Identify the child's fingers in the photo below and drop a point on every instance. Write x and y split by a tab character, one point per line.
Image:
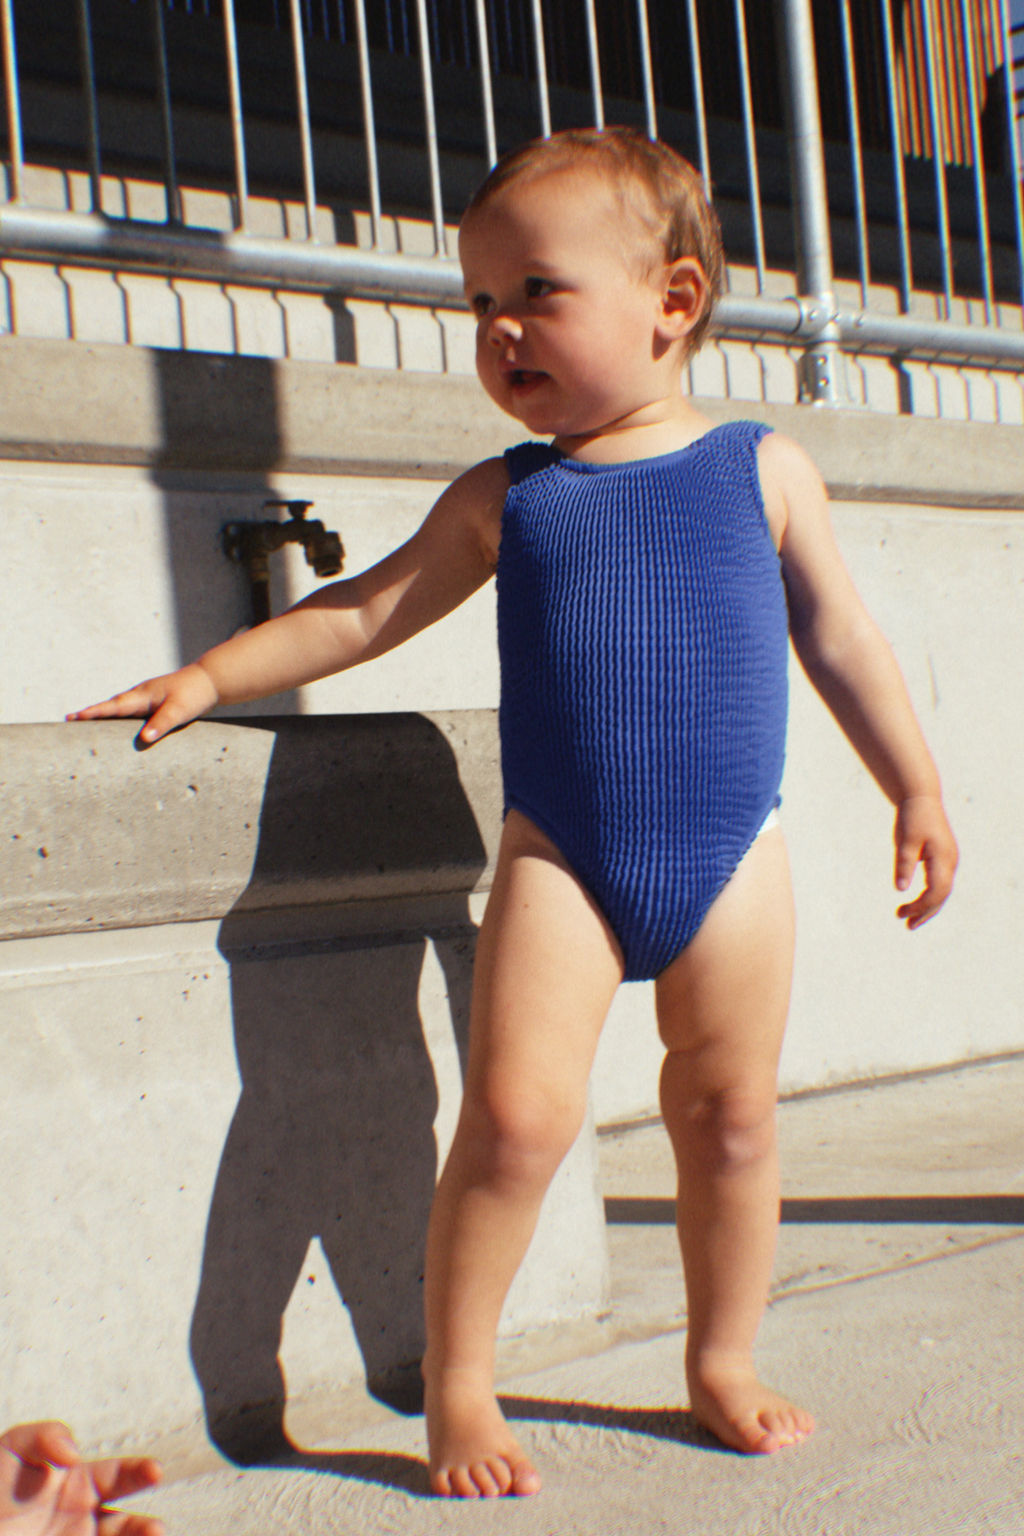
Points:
939	869
167	718
135	702
908	855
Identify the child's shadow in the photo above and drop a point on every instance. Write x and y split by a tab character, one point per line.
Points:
332	1136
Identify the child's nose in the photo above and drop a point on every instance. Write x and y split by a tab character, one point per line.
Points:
502	328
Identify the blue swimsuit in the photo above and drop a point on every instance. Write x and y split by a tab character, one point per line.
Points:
643	634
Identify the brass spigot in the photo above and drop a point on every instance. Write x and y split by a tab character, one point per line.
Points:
252	544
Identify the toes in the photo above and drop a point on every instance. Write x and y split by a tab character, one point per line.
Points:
789	1425
441	1483
525	1480
461	1484
491	1479
775	1428
755	1436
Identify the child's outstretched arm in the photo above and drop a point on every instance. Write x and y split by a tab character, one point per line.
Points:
852	666
446	560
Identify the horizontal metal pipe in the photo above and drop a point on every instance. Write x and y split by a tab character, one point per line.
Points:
899	336
241	258
135	245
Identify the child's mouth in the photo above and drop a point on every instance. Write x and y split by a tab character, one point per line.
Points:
524	378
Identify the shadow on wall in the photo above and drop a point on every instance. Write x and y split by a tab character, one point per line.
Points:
219	417
332	1136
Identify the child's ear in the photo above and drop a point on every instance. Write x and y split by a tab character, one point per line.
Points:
685	296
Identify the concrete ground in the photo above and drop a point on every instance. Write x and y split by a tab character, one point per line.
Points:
897	1315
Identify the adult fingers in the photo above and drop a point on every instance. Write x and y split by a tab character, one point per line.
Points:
47	1442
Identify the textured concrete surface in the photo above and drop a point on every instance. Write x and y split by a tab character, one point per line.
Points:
225	818
95	403
896	1316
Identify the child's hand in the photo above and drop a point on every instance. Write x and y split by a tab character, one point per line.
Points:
165	702
47	1490
923	836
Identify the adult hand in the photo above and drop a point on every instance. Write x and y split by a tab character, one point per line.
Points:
46	1489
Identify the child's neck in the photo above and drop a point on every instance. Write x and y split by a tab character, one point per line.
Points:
660	428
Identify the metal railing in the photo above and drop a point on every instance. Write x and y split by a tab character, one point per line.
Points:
941	80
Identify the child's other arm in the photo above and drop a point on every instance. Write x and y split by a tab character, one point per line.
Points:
446	560
853	668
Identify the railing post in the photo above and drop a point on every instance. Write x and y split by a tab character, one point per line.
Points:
821	371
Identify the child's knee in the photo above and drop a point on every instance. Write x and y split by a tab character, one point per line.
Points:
521	1132
723	1130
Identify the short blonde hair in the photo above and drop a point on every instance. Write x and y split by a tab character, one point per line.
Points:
661	187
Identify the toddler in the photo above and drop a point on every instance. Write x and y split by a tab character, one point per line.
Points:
651	568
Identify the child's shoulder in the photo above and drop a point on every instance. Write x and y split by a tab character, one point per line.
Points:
785	467
790	483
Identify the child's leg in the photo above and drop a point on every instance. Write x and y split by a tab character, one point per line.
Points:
721	1011
547	967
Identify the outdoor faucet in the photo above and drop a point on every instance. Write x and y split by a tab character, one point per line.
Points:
252	544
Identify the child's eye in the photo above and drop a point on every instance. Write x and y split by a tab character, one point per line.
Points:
481	304
537	288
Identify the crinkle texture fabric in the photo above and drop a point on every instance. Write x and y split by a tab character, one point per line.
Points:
643	636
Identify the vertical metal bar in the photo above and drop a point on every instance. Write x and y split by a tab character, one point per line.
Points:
14	140
978	155
540	58
697	75
753	179
820	364
92	115
594	56
856	157
484	52
440	239
899	177
163	85
369	124
1012	137
237	126
938	157
648	73
305	136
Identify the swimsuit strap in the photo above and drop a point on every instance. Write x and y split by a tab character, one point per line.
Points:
527	458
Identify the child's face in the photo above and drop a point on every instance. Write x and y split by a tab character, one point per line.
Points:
567	335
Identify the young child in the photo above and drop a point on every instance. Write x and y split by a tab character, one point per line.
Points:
645	564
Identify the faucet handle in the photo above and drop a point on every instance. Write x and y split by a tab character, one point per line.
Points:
298	509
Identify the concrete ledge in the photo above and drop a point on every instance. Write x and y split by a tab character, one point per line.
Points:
65	401
224	817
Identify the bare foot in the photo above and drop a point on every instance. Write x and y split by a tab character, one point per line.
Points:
473	1453
745	1415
